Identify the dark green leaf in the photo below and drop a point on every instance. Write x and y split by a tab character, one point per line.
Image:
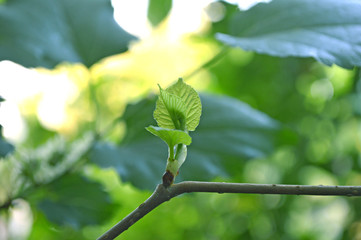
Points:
5	147
75	201
327	30
47	32
158	10
229	131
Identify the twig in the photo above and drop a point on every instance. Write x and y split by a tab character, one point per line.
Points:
162	194
210	62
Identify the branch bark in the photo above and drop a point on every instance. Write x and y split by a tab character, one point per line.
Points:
162	194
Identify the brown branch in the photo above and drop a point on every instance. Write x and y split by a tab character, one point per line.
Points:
162	194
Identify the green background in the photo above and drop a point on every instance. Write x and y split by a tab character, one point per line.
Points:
265	119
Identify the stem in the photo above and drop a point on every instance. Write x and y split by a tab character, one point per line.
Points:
178	151
210	62
162	194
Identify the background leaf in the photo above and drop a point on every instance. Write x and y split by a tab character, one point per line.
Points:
158	10
229	132
5	147
47	32
327	30
75	201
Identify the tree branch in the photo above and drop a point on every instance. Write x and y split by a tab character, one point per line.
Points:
162	194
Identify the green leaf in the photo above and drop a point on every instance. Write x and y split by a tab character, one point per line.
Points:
327	30
47	32
158	10
229	132
171	136
170	111
5	147
191	100
76	201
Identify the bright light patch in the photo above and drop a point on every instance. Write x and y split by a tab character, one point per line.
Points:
215	11
21	220
12	121
322	89
17	82
58	92
132	16
187	16
22	88
246	4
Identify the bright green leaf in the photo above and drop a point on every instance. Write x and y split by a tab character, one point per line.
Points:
47	32
170	111
158	10
191	100
171	136
327	30
75	201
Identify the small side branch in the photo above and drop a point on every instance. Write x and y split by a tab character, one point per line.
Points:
162	194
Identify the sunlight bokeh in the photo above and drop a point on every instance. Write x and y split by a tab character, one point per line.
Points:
164	54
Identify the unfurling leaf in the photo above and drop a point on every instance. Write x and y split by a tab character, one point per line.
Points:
178	110
191	100
170	136
178	107
170	111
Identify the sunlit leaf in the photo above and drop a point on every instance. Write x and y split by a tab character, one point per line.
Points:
47	32
170	111
229	132
327	30
158	10
191	101
171	136
76	201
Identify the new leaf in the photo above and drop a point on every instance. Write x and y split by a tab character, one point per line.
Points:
170	111
191	100
178	107
170	136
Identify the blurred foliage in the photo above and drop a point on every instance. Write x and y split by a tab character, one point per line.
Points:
288	120
79	31
296	28
5	147
158	10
